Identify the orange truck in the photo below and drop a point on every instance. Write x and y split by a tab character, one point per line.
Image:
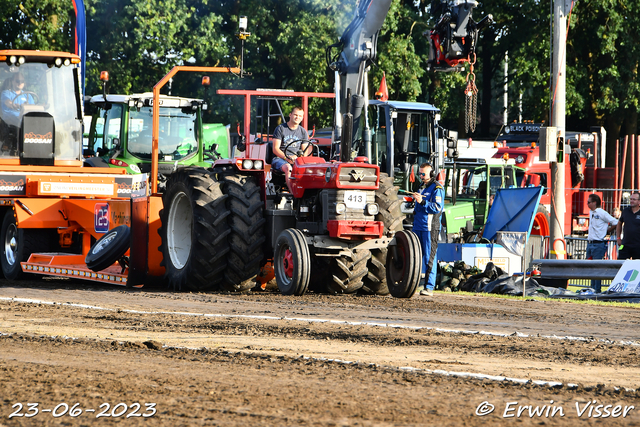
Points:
58	217
52	208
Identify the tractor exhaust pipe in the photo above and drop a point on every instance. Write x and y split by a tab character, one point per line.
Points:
347	132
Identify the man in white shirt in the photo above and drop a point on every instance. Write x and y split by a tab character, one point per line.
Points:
600	224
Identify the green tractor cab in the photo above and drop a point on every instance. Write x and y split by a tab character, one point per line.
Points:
120	135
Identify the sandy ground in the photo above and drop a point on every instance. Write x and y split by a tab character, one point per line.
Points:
90	355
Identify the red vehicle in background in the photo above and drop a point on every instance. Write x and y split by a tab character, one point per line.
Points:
584	170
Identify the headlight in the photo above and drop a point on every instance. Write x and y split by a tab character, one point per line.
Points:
134	168
258	164
13	59
341	208
247	164
372	209
67	62
58	62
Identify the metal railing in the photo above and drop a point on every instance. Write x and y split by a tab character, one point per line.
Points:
577	249
538	248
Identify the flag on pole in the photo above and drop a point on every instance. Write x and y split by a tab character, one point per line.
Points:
383	92
81	37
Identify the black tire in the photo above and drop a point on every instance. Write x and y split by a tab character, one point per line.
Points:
246	222
292	262
194	231
404	265
347	272
17	245
389	205
320	273
109	248
375	282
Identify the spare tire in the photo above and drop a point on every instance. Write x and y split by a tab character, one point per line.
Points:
109	248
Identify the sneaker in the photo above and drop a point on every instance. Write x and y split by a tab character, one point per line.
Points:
426	292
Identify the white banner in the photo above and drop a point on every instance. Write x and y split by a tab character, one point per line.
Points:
628	278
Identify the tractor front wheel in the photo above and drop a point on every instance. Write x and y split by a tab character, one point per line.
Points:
17	245
292	263
404	265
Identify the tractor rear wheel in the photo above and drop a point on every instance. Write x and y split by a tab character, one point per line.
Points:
194	231
389	204
17	245
292	262
375	282
404	265
246	222
347	272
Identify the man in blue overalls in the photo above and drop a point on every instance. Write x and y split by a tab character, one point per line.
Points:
429	204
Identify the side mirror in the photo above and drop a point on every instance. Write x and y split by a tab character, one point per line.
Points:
116	143
452	143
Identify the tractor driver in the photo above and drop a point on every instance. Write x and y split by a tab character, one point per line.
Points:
284	137
12	97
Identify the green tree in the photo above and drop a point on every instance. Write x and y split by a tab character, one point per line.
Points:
37	24
139	41
605	49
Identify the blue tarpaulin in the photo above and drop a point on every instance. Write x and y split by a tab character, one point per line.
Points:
513	209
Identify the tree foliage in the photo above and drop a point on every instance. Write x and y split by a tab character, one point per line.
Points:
139	41
36	24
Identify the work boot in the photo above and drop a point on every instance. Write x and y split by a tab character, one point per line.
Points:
426	292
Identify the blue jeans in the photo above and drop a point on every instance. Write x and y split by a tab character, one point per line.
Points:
596	251
277	163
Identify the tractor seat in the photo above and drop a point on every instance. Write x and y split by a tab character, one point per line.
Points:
269	157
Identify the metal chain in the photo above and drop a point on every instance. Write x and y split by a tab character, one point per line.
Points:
471	99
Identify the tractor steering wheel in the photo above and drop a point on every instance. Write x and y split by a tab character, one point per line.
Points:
301	141
25	95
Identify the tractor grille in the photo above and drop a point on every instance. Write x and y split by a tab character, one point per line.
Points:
358	176
351	214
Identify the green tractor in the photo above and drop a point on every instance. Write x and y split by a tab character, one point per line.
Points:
120	135
470	188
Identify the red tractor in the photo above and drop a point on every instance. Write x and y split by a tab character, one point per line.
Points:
339	230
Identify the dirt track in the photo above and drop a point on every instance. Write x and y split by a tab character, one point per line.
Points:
268	360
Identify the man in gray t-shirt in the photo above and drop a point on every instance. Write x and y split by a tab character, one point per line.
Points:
285	134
